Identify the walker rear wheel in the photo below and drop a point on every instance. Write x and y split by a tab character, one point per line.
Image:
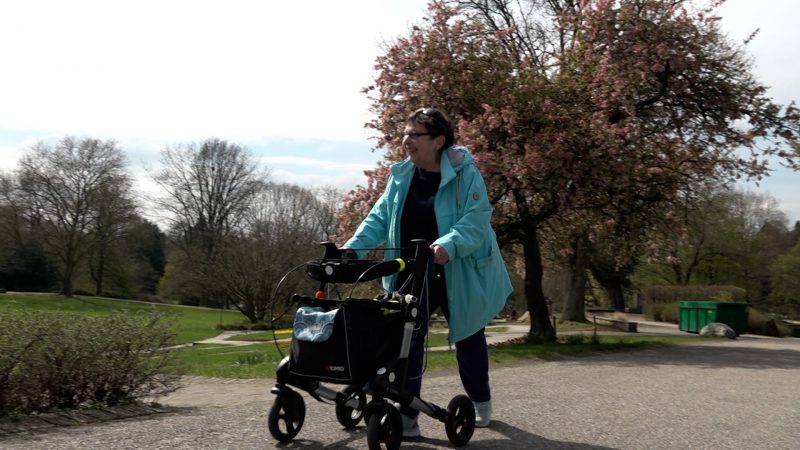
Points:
460	422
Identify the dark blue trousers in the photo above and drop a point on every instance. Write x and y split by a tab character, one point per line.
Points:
472	353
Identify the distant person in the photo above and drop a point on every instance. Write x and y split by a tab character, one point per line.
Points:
512	316
437	194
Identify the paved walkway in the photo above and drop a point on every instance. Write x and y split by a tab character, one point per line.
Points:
594	401
224	338
715	394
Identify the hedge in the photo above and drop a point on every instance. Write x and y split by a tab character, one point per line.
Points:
667	294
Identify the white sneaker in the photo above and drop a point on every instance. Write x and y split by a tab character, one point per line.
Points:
410	427
483	413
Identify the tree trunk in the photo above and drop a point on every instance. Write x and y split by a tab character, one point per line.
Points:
534	295
66	281
68	271
574	307
247	311
101	269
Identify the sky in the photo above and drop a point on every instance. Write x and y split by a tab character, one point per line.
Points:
283	79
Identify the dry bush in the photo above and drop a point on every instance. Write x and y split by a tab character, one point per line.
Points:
63	360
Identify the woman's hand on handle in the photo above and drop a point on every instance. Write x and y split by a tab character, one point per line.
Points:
440	255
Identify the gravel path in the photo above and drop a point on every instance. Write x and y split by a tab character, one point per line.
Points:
718	394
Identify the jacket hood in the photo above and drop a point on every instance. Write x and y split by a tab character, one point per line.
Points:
458	156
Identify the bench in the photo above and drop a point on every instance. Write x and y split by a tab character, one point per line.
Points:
620	324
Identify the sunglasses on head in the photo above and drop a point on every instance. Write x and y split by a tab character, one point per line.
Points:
430	112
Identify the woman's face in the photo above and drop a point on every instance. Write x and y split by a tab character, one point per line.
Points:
421	147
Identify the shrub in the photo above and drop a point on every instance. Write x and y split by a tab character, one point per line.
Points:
252	359
534	339
574	339
61	360
663	312
770	328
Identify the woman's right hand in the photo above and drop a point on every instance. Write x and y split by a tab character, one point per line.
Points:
347	253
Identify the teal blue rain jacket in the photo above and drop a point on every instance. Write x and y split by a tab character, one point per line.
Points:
477	280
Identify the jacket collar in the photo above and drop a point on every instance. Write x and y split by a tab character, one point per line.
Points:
454	159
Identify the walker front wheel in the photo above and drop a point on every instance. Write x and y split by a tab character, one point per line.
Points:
286	415
385	428
460	422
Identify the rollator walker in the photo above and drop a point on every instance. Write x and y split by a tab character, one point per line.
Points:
362	344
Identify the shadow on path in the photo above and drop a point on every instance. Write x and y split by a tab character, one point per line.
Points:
514	438
703	356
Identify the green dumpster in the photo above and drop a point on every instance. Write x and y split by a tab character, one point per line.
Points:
695	315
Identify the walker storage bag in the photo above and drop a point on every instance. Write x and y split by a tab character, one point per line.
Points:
345	345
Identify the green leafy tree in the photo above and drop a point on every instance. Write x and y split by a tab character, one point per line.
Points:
145	245
785	293
726	237
113	211
24	264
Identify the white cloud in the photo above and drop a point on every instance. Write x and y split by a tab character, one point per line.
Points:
313	163
776	57
9	157
776	62
342	180
313	172
189	69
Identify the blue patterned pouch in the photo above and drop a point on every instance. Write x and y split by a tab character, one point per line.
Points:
313	324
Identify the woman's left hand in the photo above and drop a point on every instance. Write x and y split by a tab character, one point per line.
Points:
440	255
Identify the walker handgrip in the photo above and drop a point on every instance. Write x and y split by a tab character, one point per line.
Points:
384	268
351	271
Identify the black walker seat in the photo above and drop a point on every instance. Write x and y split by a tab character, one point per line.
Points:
363	344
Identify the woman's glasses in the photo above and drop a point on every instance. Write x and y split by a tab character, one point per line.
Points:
415	134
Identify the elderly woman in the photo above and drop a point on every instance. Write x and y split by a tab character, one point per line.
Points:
437	194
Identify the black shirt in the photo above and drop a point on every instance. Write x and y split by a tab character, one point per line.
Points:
418	220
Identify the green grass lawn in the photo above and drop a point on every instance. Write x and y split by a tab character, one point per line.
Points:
226	361
192	323
260	359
